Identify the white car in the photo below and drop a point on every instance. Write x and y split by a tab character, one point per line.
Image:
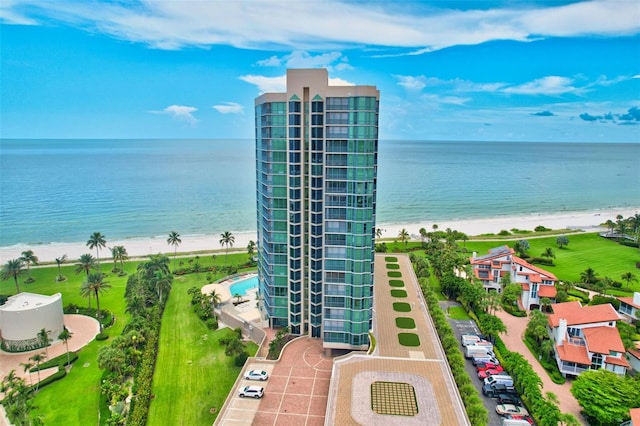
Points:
251	392
256	375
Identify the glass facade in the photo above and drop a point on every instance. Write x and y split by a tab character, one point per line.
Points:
316	166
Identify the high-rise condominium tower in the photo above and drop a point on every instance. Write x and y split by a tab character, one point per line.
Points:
316	166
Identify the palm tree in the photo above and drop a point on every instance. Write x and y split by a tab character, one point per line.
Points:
163	283
44	339
603	284
26	366
610	224
379	232
120	255
548	253
12	269
588	276
59	261
251	248
174	240
227	239
95	283
65	335
37	358
629	277
28	258
86	263
214	297
404	236
97	241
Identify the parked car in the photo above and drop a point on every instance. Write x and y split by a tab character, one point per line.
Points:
256	375
487	358
251	392
473	351
510	409
481	365
501	378
517	420
492	391
469	339
504	398
483	374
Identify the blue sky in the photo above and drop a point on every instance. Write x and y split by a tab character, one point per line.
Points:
447	70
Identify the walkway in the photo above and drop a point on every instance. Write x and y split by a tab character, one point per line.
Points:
513	341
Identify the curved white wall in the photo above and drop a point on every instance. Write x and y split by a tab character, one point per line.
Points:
25	314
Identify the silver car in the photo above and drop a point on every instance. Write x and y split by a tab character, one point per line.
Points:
251	392
256	375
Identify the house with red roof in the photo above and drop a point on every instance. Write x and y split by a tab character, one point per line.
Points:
630	306
586	338
536	283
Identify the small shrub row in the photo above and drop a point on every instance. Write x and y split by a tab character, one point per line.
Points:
541	261
59	361
53	378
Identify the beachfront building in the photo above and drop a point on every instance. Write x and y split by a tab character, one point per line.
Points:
316	161
586	337
630	307
491	269
24	315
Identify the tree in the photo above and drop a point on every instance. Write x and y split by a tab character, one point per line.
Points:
59	261
379	232
545	303
13	269
95	284
29	258
37	358
44	339
602	285
605	397
174	240
251	249
611	225
65	335
238	298
510	295
548	253
162	283
97	241
26	366
547	347
17	399
562	241
86	263
214	297
588	276
227	239
537	326
629	277
403	235
120	255
521	247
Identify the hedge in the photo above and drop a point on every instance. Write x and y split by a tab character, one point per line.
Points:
59	361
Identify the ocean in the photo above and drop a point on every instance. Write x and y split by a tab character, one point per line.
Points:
64	190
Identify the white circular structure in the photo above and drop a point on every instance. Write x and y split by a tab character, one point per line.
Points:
24	315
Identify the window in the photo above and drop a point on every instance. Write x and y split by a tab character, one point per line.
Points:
596	361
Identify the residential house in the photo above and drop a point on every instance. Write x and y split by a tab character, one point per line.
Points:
586	338
536	283
633	356
630	306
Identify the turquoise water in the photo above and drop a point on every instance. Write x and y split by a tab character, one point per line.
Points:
242	286
64	190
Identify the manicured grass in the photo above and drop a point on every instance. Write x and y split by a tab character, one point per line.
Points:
396	283
457	313
192	372
401	307
605	257
398	293
393	266
75	398
405	322
394	274
408	339
390	259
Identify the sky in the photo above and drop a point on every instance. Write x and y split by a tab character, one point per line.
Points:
557	71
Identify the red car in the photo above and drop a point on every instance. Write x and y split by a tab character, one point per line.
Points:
519	417
481	366
483	374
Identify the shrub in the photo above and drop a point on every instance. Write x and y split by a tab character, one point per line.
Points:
396	283
394	274
102	336
541	228
59	361
405	322
212	324
408	339
542	261
393	266
398	293
603	300
504	233
240	359
53	378
401	307
390	259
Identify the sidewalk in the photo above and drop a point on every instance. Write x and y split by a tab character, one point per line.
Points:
513	342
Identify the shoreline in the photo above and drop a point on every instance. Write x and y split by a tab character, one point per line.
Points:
139	247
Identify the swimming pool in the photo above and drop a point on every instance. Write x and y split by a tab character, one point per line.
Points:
242	286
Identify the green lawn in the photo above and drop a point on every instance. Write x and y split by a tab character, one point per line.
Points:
405	322
75	399
409	339
401	307
398	293
584	251
192	372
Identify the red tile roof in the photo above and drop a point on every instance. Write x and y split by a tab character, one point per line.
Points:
540	271
574	353
547	291
634	353
635	416
629	301
617	361
576	314
603	340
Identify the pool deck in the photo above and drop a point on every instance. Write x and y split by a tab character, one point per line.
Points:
223	288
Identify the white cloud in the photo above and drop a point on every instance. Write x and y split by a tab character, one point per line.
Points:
229	108
410	82
303	59
10	14
419	82
180	113
550	85
340	82
273	61
267	84
272	24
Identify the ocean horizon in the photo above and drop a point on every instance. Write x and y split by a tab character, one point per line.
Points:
62	190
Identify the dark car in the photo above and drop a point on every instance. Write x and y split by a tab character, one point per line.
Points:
492	391
505	398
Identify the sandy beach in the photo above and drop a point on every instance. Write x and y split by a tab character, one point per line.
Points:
138	247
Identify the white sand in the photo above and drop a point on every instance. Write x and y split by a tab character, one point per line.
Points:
136	247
